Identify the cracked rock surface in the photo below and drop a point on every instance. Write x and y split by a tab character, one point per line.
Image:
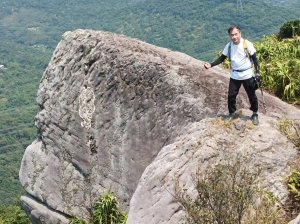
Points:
122	115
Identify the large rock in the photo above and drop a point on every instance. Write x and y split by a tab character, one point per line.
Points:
203	145
109	105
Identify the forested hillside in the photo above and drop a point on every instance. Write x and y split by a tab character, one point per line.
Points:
193	26
30	30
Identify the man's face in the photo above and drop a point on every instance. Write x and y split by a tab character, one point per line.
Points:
235	36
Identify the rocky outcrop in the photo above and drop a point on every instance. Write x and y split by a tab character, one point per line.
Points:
114	110
205	144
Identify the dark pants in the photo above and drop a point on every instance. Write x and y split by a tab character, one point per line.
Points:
234	87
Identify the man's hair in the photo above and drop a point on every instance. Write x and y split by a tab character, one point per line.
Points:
233	27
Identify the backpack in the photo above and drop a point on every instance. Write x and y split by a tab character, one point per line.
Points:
245	49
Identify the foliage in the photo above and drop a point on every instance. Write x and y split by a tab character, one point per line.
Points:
225	194
266	212
76	220
18	87
13	214
280	66
294	184
291	129
289	29
105	211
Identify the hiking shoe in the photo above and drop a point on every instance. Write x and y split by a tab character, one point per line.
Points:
231	117
254	119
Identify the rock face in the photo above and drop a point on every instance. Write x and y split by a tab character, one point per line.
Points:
204	144
122	115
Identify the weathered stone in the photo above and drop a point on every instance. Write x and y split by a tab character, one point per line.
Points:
296	220
109	104
206	143
40	214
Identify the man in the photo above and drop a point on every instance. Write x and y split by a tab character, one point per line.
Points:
241	61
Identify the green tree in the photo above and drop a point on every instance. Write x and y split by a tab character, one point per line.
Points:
289	29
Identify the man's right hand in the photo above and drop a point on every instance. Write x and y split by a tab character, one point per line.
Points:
207	65
258	78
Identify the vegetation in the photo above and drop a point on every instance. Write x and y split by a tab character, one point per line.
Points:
106	211
291	129
227	194
193	27
13	214
289	29
294	185
18	88
76	220
293	182
280	66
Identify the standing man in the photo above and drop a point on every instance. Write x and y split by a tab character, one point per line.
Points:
241	54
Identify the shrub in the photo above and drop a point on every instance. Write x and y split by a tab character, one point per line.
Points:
291	129
280	66
294	185
75	220
290	29
226	194
266	212
105	211
292	205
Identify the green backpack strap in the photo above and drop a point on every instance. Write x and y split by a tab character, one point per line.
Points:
246	48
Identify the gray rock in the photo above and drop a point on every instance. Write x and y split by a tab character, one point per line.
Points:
109	104
296	220
206	143
40	214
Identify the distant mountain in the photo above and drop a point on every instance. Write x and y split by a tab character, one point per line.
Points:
283	3
195	27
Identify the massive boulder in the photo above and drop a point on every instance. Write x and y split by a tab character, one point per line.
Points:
120	115
205	144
